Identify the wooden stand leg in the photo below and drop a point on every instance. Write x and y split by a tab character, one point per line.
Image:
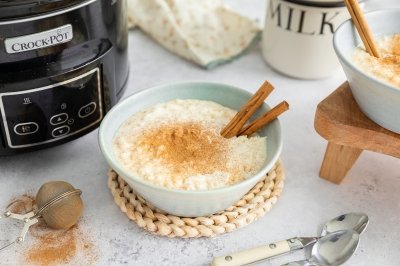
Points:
338	160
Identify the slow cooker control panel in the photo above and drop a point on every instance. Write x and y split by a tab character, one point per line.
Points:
47	114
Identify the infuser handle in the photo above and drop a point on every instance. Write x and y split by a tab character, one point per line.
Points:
29	219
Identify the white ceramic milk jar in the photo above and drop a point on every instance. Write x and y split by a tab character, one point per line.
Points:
297	38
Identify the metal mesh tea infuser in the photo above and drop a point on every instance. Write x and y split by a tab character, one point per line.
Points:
59	205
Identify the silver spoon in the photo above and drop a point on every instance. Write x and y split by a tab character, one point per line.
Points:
331	250
354	221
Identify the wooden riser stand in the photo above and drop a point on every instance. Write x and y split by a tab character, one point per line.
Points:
348	131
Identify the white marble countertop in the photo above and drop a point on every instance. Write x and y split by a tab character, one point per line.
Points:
372	186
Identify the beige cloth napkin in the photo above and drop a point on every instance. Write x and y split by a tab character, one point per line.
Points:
203	31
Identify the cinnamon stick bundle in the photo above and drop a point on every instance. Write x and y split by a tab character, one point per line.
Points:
235	125
265	119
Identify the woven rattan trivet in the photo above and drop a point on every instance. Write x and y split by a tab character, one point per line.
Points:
258	201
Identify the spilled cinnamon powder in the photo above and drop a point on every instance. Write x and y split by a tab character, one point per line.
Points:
22	204
49	246
188	148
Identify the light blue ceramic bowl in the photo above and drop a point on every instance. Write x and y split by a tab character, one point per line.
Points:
180	202
378	100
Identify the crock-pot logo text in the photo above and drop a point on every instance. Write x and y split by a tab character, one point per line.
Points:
49	41
39	40
302	19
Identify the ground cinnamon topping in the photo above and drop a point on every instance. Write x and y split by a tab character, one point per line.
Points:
395	45
387	67
178	145
189	148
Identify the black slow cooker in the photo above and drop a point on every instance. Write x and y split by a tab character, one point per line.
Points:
63	65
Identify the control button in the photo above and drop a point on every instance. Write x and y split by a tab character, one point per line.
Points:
26	128
27	101
58	119
60	131
87	110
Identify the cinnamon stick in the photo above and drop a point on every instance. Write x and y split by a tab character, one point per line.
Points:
265	119
248	109
362	27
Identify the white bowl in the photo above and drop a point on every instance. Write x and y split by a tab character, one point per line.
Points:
183	202
377	99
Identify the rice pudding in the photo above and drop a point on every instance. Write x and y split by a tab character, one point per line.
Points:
387	67
178	145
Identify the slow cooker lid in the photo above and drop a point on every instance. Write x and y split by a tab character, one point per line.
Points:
16	9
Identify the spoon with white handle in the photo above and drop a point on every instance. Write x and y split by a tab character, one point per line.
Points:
334	249
354	221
